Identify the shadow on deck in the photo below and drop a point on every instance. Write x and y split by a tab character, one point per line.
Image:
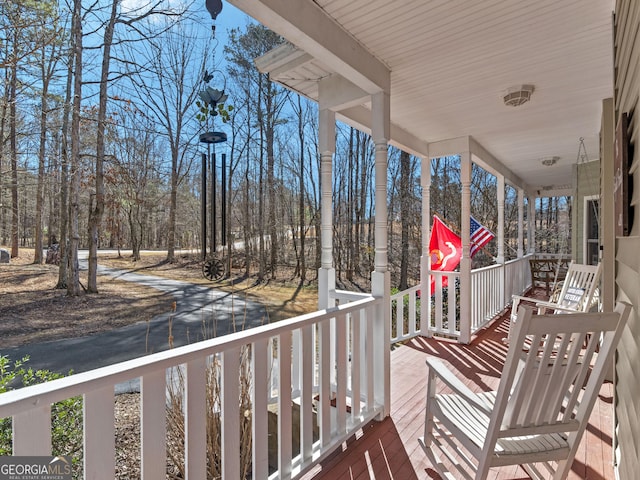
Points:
390	450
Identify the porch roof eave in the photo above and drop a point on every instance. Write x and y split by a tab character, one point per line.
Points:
281	64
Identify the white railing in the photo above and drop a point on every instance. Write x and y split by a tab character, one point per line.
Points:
443	314
487	295
517	277
405	314
328	363
491	291
404	310
345	296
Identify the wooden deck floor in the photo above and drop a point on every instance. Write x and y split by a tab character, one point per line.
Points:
390	450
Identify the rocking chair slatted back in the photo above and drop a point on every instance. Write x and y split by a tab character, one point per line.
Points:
553	371
579	286
579	293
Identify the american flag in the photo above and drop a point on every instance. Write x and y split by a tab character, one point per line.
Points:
480	236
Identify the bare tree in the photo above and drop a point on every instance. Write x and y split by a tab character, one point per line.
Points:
51	42
65	160
136	151
405	208
168	70
95	214
73	273
301	260
269	102
3	140
24	32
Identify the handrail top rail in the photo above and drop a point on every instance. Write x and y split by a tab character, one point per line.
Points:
488	267
26	398
442	273
518	259
348	295
401	293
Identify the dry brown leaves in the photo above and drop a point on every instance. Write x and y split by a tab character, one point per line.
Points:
33	310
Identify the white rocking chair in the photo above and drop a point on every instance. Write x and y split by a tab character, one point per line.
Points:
551	377
579	293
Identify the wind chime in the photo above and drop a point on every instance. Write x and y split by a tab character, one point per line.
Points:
213	266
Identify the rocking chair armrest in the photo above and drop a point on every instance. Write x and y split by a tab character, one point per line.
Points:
439	369
516	299
555	306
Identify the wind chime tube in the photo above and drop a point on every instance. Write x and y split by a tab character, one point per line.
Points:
213	204
223	181
203	207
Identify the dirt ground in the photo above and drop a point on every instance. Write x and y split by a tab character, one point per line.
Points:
33	310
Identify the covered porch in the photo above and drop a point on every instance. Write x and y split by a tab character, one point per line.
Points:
389	449
431	78
373	83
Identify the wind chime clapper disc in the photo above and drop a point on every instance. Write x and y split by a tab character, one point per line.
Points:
213	137
212	269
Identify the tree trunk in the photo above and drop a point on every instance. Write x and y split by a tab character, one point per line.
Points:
262	260
95	217
3	125
173	205
301	210
136	231
64	177
73	280
363	198
247	217
13	152
351	208
37	259
271	188
405	174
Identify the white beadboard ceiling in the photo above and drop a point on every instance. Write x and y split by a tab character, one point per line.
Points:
451	62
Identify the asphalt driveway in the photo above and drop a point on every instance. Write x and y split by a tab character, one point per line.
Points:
201	312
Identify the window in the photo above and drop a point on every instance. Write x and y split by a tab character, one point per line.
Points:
591	251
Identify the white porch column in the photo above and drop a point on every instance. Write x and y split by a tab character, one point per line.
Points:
520	222
531	225
500	232
425	259
607	206
380	279
327	145
465	261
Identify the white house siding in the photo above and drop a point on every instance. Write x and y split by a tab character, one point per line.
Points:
627	88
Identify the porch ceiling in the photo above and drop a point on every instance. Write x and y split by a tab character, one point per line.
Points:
450	64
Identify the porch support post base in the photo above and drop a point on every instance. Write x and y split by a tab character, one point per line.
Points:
326	287
380	288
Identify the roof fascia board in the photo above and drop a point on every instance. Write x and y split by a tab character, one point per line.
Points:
556	191
305	25
360	117
281	60
450	146
480	156
337	93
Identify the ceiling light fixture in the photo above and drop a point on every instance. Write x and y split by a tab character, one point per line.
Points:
518	95
548	161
